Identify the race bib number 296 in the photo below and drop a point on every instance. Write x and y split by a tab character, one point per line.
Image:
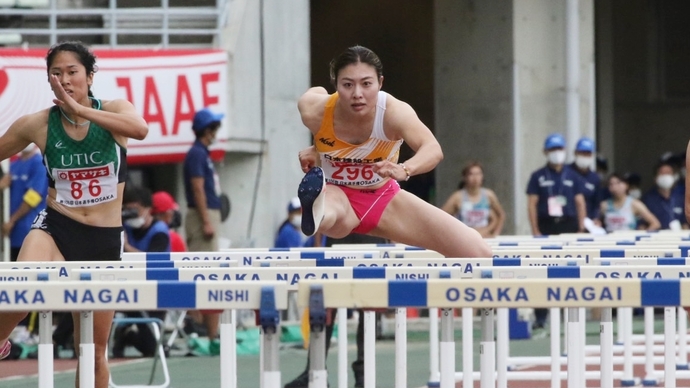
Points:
351	174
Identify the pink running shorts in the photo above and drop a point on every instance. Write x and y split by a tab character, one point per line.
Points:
369	204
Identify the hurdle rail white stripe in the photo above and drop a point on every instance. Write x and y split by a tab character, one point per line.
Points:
73	295
247	257
238	275
487	293
467	265
87	296
291	276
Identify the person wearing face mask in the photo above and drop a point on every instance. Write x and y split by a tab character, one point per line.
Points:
202	192
584	160
555	203
666	205
143	233
290	233
202	186
164	208
28	184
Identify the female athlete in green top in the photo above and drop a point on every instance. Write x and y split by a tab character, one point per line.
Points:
83	142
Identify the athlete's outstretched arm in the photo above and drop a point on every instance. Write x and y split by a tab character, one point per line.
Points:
405	123
19	134
119	116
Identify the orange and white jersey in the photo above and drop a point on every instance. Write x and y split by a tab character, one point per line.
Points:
351	164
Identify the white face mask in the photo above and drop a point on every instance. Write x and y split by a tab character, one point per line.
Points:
296	221
665	181
556	157
635	193
135	223
583	162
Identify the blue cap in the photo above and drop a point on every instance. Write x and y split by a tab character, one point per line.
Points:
585	144
204	118
555	140
294	204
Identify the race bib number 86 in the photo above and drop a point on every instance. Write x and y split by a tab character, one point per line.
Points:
85	186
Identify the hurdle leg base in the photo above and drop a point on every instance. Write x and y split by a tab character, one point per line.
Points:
433	384
628	383
682	366
649	383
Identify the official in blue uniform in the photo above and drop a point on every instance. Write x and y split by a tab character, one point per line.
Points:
28	185
290	232
666	205
555	202
591	183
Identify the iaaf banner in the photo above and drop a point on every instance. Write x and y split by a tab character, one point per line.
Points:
166	87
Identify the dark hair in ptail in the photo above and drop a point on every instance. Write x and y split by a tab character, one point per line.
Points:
86	57
352	55
466	170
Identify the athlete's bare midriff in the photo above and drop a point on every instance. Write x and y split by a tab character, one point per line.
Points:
107	214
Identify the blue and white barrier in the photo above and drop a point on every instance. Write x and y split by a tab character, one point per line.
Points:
501	293
88	296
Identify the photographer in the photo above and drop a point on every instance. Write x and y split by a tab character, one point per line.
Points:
143	233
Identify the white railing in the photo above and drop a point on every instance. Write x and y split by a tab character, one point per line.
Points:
163	22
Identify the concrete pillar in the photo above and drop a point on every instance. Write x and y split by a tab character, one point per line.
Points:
500	90
473	94
268	71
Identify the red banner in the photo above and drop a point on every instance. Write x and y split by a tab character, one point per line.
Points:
166	87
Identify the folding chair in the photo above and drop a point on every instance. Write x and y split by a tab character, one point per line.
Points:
157	329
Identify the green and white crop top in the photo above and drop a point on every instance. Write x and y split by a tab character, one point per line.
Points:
83	172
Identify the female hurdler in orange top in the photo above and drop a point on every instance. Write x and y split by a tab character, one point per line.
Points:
352	169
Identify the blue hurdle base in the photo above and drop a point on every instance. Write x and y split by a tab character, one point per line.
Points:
518	329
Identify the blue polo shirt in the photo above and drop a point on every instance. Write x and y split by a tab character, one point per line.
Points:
289	236
547	182
154	239
679	188
591	190
26	174
197	163
665	209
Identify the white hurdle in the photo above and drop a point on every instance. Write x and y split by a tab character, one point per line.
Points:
88	296
484	293
606	337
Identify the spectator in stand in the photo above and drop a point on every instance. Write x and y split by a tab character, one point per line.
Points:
621	211
144	233
166	209
666	205
290	233
475	205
